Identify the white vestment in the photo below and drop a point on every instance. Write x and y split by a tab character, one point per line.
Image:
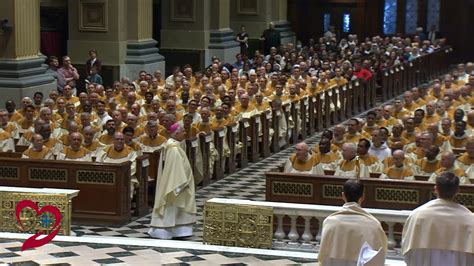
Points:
439	233
344	233
174	211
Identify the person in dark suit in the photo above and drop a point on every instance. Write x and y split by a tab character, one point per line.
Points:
271	38
433	34
93	61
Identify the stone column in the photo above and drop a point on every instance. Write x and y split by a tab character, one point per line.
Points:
142	53
22	68
222	39
279	18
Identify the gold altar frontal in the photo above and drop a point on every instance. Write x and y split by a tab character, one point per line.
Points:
31	220
238	225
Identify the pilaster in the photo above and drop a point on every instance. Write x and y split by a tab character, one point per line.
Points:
22	70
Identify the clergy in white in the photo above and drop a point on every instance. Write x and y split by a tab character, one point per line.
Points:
440	232
174	211
345	231
302	161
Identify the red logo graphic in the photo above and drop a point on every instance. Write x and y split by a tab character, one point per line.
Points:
34	241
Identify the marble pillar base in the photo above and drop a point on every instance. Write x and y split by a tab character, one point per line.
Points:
20	78
142	56
223	45
287	35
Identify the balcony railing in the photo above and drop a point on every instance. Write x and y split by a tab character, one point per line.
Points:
286	236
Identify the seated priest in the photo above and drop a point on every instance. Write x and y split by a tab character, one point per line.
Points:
447	163
327	158
466	160
151	141
118	152
344	232
350	165
90	143
38	150
430	163
440	232
398	170
372	162
75	151
302	161
379	148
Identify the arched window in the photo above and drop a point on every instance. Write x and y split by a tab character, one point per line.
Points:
326	22
411	16
390	17
346	22
434	8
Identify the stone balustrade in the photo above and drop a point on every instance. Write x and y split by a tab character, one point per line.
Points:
300	234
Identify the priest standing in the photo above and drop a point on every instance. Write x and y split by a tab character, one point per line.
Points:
345	231
174	212
440	232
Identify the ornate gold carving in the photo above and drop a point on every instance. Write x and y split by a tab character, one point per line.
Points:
465	199
9	172
95	177
32	222
238	225
292	189
47	174
397	195
332	191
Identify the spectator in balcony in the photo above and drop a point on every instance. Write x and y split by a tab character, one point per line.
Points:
271	38
424	242
344	232
69	73
93	62
242	38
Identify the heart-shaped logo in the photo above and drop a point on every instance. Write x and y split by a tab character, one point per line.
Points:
34	241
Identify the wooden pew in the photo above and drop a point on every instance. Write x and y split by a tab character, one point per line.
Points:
303	115
205	144
286	109
105	187
327	109
294	113
152	172
20	148
232	130
141	197
253	134
311	115
243	159
276	130
265	118
379	193
319	111
219	165
191	149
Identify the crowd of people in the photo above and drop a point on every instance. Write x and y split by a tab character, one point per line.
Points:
118	122
416	135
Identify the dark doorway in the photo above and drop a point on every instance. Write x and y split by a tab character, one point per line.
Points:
54	30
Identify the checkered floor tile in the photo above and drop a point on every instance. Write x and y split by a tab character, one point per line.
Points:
67	253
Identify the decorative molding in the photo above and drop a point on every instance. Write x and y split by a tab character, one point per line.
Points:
238	225
247	7
183	10
93	15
